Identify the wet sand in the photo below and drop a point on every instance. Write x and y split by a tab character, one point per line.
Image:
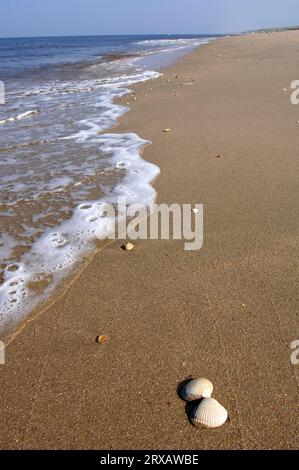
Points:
228	312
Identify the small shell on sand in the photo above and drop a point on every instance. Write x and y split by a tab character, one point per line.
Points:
128	246
102	339
196	389
209	414
167	130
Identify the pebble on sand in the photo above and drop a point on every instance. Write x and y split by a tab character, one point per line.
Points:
128	246
102	339
167	130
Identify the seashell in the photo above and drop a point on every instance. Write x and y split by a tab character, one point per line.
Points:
167	130
102	339
209	414
128	246
196	389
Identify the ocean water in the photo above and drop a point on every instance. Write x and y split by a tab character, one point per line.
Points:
58	167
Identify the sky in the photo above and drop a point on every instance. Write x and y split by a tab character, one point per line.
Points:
20	18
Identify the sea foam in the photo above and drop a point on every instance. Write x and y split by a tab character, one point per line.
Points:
57	251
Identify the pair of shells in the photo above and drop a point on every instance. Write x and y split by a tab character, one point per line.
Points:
209	413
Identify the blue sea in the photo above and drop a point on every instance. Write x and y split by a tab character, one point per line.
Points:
59	165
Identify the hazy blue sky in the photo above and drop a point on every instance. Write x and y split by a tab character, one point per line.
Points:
79	17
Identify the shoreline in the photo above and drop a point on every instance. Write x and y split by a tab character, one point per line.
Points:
39	302
228	312
14	326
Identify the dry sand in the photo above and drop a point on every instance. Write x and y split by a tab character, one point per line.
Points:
228	312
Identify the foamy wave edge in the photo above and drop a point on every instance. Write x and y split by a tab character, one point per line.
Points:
55	254
19	117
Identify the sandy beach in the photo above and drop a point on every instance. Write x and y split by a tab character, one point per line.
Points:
228	312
